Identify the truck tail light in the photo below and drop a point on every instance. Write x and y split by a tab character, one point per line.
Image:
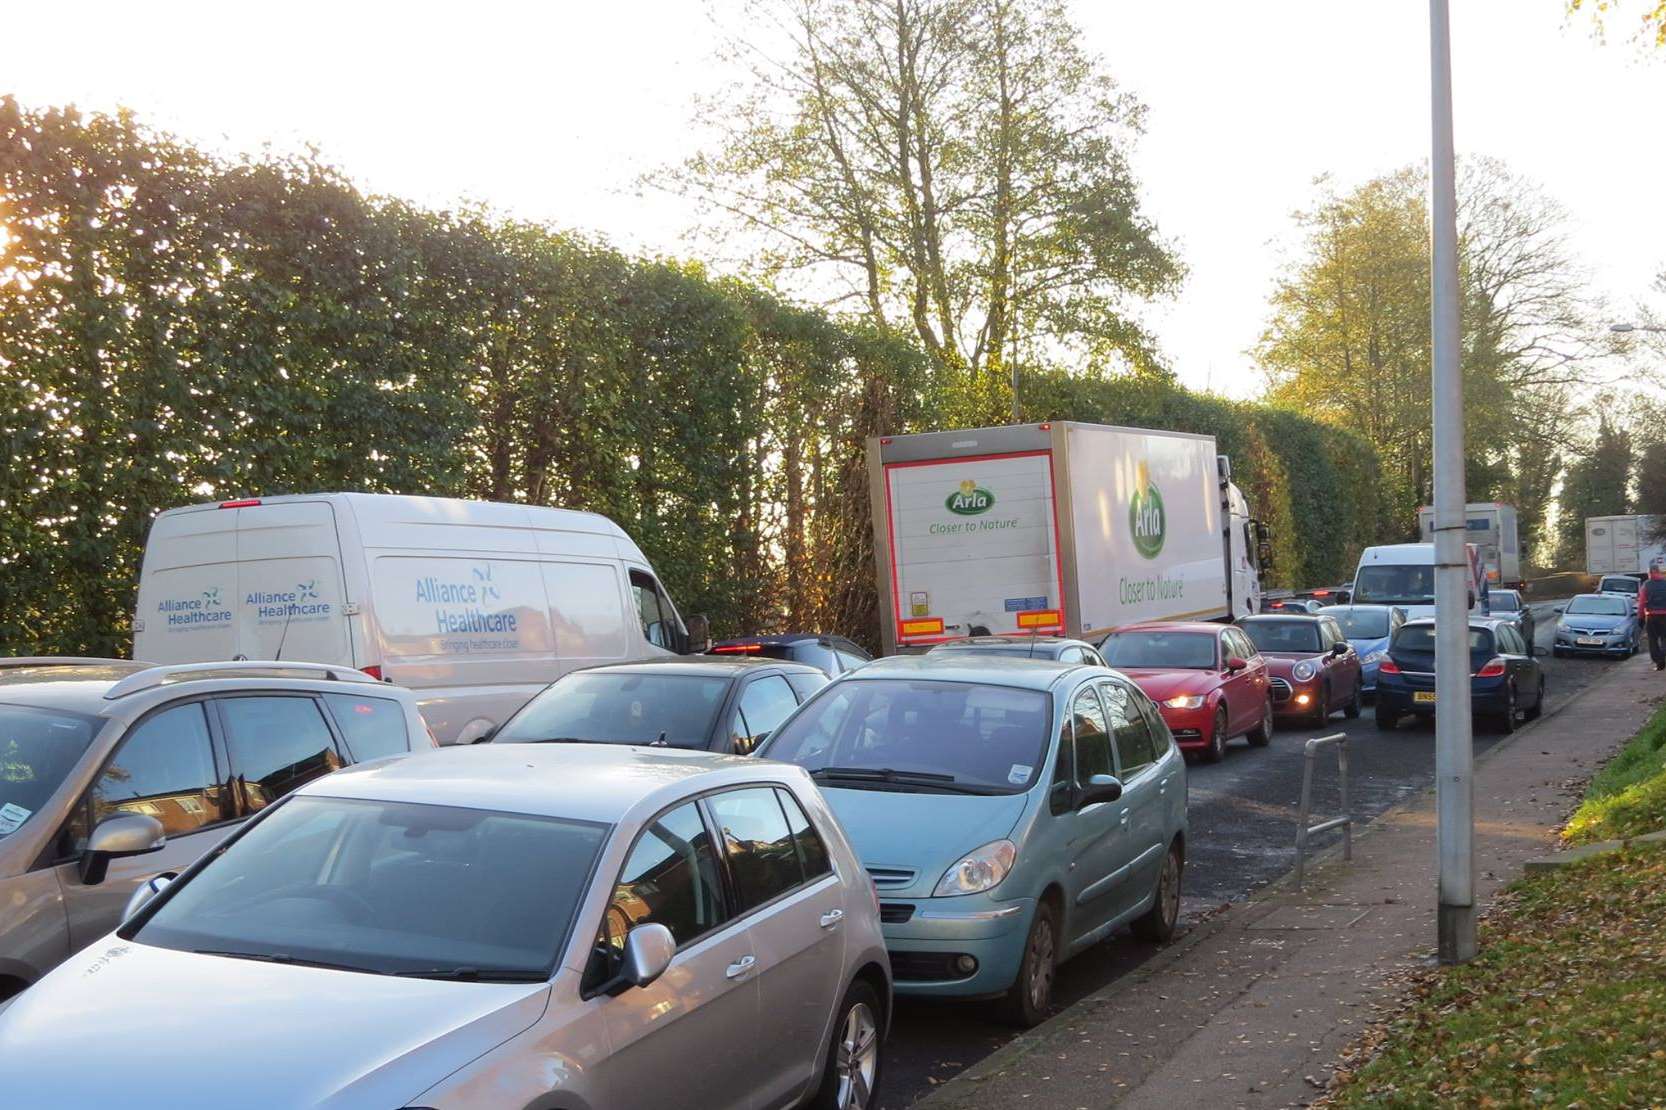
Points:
1493	669
244	503
738	649
1389	666
374	671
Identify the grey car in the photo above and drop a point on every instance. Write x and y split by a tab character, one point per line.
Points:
98	754
544	926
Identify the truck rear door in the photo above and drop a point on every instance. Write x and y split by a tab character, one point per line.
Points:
290	593
974	546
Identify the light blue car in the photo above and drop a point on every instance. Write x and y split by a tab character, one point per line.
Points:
1368	628
1012	813
1598	624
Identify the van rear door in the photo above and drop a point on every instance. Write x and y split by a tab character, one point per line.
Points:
291	600
188	589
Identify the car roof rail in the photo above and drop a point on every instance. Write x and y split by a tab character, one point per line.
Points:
60	661
168	674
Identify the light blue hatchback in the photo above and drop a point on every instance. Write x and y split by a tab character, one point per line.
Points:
1012	813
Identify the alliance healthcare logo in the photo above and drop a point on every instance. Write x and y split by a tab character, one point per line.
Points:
970	499
194	612
1147	519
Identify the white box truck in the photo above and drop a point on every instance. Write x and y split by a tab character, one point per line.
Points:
1491	527
475	606
1621	544
1062	527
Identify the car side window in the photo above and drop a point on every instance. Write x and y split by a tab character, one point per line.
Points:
764	703
372	727
276	745
763	859
659	619
164	768
804	684
1512	642
1242	646
1135	749
1093	739
1093	658
1161	738
816	655
812	851
671	878
1062	794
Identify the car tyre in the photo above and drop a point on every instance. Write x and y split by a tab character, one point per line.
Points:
1351	710
1538	709
1321	709
1158	923
1387	719
1031	994
1262	735
850	1078
1557	652
1216	751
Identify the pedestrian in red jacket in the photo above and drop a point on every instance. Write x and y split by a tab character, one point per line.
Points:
1651	610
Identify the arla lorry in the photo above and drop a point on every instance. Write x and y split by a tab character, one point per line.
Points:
1621	544
475	606
1491	527
1058	528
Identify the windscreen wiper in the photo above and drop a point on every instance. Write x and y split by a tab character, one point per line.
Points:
286	959
897	778
476	974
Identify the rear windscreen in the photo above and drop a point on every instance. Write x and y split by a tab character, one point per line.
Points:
1421	637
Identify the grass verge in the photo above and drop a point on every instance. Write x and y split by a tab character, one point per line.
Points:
1628	796
1564	1007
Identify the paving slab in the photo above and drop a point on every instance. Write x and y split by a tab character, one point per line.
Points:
1253	1006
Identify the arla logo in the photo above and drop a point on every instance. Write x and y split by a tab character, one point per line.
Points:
970	499
1146	518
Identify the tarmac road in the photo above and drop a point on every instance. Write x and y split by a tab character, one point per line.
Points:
1242	834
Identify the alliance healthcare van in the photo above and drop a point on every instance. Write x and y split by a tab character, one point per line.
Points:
474	605
1059	527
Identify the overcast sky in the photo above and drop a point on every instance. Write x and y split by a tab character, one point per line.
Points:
550	110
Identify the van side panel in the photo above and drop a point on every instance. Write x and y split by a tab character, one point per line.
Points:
187	589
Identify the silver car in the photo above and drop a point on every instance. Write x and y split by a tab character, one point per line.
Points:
101	759
553	926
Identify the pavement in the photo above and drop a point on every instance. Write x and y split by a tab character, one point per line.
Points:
1253	1006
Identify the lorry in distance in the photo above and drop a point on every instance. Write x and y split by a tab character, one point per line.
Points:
1621	544
1491	527
1061	527
474	605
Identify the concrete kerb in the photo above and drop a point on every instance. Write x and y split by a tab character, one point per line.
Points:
1264	900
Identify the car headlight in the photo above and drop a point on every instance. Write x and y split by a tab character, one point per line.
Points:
1304	670
1185	701
1374	657
979	870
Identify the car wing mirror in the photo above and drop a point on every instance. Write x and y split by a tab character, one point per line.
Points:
1235	664
1561	609
1339	649
145	891
1099	788
118	836
648	953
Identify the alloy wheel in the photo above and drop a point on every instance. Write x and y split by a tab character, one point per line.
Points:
1039	968
1168	890
858	1058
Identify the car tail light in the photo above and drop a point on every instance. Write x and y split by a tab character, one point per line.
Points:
1389	666
1493	669
245	503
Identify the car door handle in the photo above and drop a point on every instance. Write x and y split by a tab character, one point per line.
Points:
741	966
832	918
1123	820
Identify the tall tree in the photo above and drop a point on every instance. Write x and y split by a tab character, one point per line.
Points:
1648	17
1349	336
1596	485
956	167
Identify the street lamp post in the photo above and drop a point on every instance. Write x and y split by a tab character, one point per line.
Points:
1624	328
1454	755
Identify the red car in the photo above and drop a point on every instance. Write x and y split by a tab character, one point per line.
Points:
1314	669
1208	681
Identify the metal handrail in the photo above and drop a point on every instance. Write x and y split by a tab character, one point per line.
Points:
244	668
1346	820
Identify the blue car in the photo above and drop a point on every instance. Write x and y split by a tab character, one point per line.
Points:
1368	628
1598	624
1011	812
1506	683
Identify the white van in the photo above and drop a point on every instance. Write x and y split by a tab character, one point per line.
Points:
1403	575
474	605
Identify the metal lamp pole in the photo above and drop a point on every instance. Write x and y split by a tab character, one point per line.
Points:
1454	753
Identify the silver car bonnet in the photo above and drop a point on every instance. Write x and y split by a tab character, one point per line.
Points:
126	1024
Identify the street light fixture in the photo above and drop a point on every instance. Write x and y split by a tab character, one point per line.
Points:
1623	328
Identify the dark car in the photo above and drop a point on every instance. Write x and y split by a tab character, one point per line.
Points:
833	655
1506	684
715	704
1314	670
1059	648
1509	605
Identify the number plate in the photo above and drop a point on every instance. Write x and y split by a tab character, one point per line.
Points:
1423	697
1588	641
